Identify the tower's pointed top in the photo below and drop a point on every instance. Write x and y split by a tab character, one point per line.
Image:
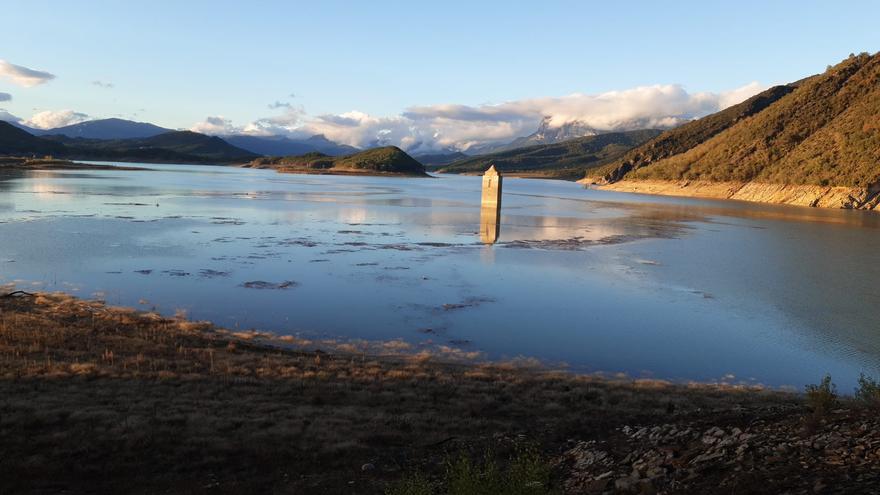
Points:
491	171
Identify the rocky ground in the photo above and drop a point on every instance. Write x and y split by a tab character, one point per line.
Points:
838	454
95	399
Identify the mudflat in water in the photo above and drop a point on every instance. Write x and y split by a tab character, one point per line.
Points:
681	289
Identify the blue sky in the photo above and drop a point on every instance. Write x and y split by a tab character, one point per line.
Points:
176	63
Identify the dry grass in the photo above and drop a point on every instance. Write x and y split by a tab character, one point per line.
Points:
94	398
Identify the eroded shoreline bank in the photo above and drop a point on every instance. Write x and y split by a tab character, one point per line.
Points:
832	197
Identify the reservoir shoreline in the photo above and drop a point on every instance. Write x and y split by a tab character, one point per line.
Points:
849	198
191	404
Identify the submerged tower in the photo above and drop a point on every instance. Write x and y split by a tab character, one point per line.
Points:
490	206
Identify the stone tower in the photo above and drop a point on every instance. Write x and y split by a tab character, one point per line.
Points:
490	206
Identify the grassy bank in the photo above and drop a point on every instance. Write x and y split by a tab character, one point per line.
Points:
100	399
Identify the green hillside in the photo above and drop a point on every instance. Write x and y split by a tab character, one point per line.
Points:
172	147
176	146
567	159
15	141
389	160
687	136
825	132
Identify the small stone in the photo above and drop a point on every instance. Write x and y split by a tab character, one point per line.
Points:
368	467
623	484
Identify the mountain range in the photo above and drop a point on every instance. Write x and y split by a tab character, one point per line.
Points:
283	146
440	158
120	129
814	142
566	159
100	129
115	129
547	133
169	147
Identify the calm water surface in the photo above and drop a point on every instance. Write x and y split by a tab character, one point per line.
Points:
649	286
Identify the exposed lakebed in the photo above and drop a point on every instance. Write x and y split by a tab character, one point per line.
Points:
649	286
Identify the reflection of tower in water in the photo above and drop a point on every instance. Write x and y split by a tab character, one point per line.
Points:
490	206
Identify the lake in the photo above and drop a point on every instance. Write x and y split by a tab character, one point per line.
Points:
594	281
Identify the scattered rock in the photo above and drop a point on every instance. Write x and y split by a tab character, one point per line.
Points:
688	458
260	284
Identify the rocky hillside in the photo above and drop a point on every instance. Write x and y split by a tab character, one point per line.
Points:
816	142
389	160
568	159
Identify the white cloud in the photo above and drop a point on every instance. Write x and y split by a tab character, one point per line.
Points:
51	119
216	126
24	76
102	84
5	97
658	106
444	126
285	124
738	95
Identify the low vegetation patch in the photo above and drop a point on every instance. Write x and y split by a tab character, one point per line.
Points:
868	392
527	472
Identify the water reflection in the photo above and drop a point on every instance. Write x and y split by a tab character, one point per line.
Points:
490	224
490	206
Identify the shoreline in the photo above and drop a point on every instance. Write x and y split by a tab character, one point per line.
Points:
830	197
171	405
25	164
343	172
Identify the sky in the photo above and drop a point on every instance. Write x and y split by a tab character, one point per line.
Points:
433	74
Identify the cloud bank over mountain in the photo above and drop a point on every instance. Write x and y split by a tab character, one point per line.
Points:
51	119
439	127
452	126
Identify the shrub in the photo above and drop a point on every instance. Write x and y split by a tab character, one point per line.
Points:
413	484
822	398
868	391
527	473
465	477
